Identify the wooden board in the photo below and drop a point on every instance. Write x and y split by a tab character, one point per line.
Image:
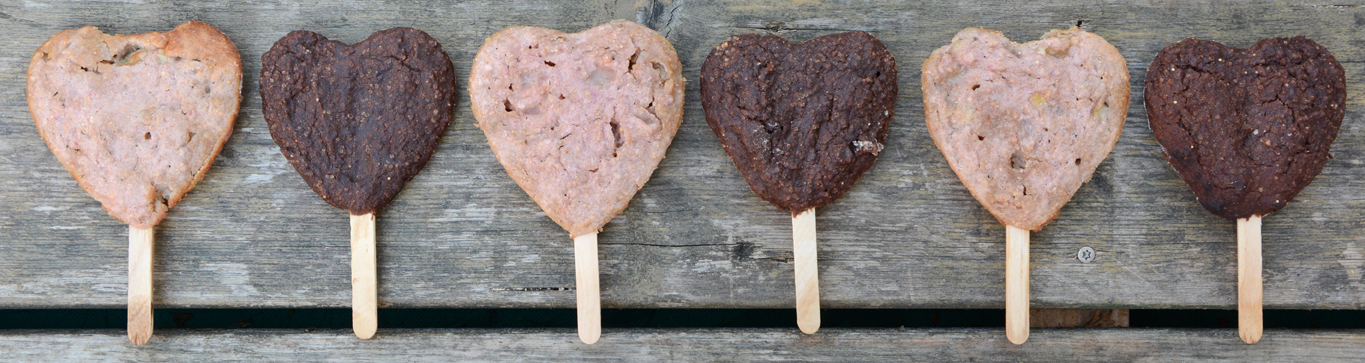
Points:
463	234
702	345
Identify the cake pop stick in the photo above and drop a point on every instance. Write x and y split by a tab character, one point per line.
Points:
140	245
807	272
587	295
1023	126
113	110
1016	284
364	290
802	122
579	121
358	122
1249	279
1247	129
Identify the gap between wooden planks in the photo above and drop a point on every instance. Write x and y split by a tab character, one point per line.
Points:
1078	318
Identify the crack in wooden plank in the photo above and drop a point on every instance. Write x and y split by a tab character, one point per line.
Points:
534	289
663	245
780	27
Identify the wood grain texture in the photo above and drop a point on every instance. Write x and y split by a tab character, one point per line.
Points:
462	234
689	345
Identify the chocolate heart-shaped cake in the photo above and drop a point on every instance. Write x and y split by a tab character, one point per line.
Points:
581	120
357	121
1246	128
1024	125
136	119
802	122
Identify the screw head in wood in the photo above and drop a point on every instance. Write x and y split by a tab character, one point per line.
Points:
1086	254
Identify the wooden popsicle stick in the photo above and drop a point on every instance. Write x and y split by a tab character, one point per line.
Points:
364	290
1016	284
585	282
807	272
1249	294
140	241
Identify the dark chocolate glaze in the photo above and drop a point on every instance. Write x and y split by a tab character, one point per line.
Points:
358	121
1246	128
802	122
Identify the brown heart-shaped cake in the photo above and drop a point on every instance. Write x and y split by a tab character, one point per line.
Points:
802	122
580	121
136	119
357	121
1246	128
1024	125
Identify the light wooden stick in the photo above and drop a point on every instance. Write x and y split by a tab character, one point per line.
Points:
140	241
807	272
1249	321
585	282
364	290
1016	284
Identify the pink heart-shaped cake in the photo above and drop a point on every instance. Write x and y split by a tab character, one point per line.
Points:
136	119
580	121
1023	125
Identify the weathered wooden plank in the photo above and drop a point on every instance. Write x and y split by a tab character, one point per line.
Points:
463	235
689	345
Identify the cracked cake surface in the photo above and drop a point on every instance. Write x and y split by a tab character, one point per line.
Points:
579	121
1246	128
801	121
1024	125
357	121
136	119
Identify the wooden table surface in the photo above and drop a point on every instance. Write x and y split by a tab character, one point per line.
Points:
661	345
462	234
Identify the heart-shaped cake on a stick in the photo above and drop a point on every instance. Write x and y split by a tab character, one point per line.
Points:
1023	126
1247	129
357	122
580	121
802	122
137	120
